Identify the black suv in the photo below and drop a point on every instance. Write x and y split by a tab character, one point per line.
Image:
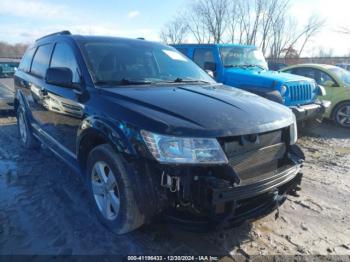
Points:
151	133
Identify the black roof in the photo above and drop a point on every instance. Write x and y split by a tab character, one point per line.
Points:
87	38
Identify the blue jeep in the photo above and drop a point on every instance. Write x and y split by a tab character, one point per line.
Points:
244	66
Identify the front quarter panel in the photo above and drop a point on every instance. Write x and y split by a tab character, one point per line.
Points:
114	132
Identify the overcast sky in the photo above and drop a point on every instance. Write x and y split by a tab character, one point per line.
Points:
26	20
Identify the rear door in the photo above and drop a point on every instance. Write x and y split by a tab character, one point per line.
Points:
63	109
30	82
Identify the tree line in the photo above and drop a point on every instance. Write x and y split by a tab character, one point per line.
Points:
13	51
267	24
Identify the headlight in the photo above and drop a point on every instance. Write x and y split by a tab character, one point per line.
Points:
283	90
172	149
321	90
293	132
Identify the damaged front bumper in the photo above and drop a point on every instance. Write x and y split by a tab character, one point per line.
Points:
315	110
210	201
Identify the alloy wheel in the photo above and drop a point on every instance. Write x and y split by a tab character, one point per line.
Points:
105	190
343	115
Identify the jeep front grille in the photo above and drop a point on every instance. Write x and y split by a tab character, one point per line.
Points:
300	92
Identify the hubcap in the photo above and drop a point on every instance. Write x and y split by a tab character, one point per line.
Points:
105	190
343	115
22	127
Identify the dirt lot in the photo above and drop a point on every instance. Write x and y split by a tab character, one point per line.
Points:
43	209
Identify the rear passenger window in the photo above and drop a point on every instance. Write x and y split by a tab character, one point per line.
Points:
26	60
41	60
63	56
203	55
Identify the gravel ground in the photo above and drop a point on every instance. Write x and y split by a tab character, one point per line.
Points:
43	209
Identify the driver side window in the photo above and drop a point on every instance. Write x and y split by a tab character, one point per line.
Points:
63	56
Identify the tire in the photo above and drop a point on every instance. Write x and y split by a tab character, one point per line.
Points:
109	184
24	131
342	113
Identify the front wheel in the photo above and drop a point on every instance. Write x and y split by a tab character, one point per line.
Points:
111	191
342	114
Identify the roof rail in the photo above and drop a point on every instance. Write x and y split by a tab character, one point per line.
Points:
65	32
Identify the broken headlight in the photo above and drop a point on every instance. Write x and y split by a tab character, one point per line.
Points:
182	150
293	133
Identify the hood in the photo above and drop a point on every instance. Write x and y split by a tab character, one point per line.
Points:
196	110
251	75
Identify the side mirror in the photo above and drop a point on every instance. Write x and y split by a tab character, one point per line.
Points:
60	76
211	66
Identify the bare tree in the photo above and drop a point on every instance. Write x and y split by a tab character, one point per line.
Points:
283	35
175	31
264	23
322	52
287	37
196	25
312	28
252	20
274	11
208	20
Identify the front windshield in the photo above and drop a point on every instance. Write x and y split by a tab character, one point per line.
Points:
135	62
342	74
233	56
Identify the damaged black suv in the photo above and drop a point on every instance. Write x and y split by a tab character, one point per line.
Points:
151	133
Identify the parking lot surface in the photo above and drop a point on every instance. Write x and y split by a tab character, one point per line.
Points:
44	210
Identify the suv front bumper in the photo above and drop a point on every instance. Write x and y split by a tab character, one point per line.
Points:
218	202
310	111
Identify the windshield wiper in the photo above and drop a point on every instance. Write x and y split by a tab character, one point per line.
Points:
259	66
240	66
123	81
181	80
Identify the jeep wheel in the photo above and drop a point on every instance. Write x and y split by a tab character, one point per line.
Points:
111	191
25	134
342	114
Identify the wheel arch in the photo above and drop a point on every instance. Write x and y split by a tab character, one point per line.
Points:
94	132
